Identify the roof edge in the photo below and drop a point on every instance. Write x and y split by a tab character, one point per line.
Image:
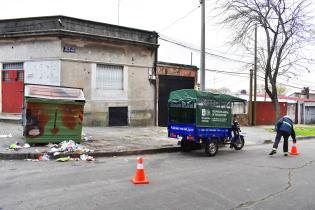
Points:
78	19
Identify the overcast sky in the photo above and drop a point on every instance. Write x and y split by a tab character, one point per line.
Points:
178	20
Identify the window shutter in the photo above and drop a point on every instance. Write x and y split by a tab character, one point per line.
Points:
109	77
13	66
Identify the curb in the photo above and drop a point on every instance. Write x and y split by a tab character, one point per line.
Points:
23	156
301	138
305	137
12	121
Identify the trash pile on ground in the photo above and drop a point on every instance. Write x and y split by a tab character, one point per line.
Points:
69	148
62	152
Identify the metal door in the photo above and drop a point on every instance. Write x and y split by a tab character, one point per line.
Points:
118	116
168	84
12	88
309	115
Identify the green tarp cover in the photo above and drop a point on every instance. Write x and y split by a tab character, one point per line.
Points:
191	96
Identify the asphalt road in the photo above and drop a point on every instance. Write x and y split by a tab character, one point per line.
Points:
246	179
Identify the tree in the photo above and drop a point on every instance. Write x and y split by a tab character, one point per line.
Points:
281	89
286	28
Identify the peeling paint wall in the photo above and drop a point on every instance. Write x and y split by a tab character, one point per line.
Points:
137	93
72	62
29	49
42	72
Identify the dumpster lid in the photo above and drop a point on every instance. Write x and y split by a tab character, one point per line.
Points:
53	92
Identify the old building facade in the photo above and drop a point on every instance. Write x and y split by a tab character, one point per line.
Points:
170	77
110	63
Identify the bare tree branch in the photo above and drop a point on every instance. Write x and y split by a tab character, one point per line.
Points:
287	28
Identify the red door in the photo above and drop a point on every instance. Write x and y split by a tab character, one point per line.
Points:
12	90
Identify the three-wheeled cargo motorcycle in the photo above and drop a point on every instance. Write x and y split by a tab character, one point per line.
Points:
203	119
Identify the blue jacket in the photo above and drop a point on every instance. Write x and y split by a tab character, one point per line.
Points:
285	124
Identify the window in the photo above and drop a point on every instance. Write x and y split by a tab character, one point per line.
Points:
20	76
182	115
5	76
109	77
12	66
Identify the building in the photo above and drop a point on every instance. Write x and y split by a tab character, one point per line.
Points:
169	77
300	110
112	64
305	93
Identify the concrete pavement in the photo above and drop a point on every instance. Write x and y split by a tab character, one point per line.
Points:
246	179
116	141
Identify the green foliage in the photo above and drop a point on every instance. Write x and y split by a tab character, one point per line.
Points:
305	131
300	130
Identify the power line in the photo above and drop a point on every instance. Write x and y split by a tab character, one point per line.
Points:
198	50
228	72
245	75
179	19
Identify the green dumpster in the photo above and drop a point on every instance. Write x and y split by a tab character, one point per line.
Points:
52	114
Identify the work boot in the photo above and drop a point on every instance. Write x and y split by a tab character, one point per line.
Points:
273	151
285	153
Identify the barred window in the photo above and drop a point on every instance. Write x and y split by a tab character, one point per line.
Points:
12	66
109	77
20	76
5	76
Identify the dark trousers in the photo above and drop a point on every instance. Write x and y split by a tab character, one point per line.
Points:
285	140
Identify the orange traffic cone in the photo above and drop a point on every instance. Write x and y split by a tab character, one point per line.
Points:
294	150
140	177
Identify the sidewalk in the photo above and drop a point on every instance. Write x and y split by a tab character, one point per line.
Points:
116	141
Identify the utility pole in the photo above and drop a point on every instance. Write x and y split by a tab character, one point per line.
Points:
255	78
191	57
250	104
202	50
118	7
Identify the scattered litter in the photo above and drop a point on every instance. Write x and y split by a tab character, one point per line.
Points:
18	145
68	150
50	145
83	157
15	146
87	157
53	150
44	157
88	138
6	136
90	158
33	160
56	153
63	159
68	147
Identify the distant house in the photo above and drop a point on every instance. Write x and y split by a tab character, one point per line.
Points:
301	110
113	65
305	93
